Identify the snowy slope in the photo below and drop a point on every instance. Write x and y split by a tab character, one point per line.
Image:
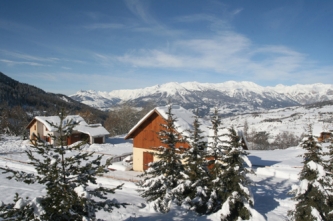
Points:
237	96
277	172
291	119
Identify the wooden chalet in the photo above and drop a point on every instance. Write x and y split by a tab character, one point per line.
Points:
322	135
145	133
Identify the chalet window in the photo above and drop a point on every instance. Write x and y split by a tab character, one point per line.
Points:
46	129
35	127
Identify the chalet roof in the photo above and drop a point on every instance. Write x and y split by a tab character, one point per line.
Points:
91	129
183	123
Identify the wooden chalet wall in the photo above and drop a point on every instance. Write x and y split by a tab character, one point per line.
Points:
146	135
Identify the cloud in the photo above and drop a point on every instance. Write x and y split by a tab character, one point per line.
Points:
237	11
16	27
227	53
104	26
28	57
213	22
140	10
12	63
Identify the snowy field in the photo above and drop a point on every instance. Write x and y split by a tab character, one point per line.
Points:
276	171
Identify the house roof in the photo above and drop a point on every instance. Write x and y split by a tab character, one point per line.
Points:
183	123
91	129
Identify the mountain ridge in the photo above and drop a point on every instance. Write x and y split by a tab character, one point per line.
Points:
230	96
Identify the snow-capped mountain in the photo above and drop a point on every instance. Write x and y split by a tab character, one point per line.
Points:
233	97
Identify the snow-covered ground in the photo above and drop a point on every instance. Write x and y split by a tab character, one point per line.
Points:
276	171
292	119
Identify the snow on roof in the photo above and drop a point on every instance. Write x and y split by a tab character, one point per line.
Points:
184	118
47	121
91	129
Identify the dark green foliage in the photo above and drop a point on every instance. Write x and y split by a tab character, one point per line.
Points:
215	158
329	170
66	177
260	140
11	212
163	176
285	140
312	193
196	171
234	179
13	120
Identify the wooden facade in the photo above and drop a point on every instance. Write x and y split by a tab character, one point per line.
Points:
146	139
146	134
324	136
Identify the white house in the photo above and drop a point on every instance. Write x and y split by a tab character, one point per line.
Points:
94	133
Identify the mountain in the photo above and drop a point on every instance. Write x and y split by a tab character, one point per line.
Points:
231	97
33	99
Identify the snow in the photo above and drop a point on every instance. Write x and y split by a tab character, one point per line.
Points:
47	121
92	129
276	172
298	93
316	167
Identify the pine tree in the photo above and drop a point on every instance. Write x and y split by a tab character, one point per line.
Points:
163	177
216	166
311	194
196	171
66	178
238	202
329	179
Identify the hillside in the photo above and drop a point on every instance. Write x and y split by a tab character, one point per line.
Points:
35	101
293	120
233	97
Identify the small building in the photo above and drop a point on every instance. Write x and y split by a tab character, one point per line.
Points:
94	133
322	135
145	133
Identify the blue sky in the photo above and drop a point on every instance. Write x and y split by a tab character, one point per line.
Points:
63	46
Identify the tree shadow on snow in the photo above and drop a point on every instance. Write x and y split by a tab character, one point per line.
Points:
265	193
258	162
177	213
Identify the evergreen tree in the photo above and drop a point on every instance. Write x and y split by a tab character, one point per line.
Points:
163	177
311	194
196	171
329	179
216	166
65	177
238	202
